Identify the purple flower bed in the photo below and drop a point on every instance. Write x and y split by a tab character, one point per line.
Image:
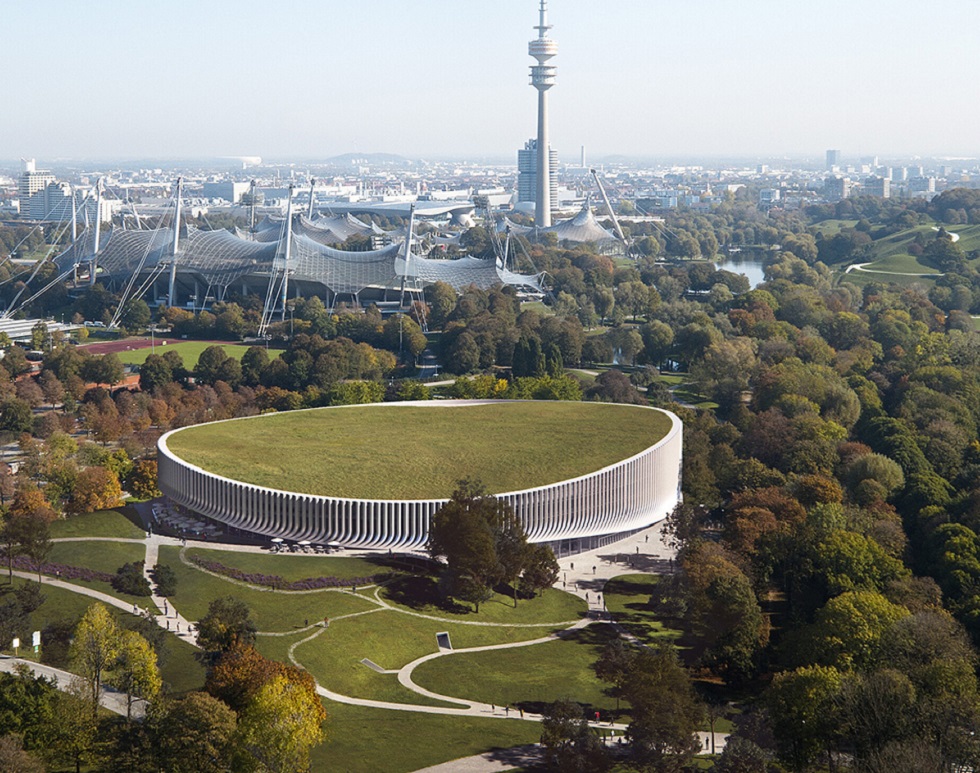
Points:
275	581
62	571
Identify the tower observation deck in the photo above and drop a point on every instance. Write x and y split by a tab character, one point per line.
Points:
543	77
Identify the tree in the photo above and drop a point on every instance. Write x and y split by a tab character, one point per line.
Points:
850	630
94	650
193	733
540	569
228	621
74	730
103	369
741	755
480	538
143	480
34	539
135	671
441	298
16	415
95	489
155	372
283	722
208	368
723	612
614	386
136	314
254	361
803	705
30	500
666	712
570	745
25	706
13	758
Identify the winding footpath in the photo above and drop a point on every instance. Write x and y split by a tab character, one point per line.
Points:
584	575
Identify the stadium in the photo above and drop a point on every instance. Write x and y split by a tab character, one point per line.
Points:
578	475
293	256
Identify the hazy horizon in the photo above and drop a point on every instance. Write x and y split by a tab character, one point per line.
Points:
448	80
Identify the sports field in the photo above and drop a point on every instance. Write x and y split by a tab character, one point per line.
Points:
189	351
415	452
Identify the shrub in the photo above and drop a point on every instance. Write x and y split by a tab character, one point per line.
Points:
129	579
165	579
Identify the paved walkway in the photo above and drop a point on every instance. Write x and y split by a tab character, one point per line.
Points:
584	575
111	699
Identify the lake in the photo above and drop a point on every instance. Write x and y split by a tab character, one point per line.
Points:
744	263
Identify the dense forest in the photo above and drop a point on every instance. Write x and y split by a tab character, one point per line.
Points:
829	581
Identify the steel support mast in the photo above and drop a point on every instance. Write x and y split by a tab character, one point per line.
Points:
176	244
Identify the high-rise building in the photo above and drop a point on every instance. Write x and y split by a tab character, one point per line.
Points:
880	187
527	174
543	77
32	181
833	158
836	188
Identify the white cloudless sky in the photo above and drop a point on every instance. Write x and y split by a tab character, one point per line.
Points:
449	78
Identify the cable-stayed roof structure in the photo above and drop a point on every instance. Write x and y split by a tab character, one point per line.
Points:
207	265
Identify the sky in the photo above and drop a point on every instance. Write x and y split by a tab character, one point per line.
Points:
310	79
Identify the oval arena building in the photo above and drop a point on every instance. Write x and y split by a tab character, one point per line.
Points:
578	475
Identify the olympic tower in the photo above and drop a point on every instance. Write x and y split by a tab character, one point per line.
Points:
543	77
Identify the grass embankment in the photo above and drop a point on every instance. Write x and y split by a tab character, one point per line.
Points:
120	523
189	351
396	452
364	740
272	611
528	677
297	566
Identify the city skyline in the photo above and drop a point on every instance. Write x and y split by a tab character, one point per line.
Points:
440	79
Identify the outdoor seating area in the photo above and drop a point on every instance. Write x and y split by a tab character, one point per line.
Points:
279	545
184	524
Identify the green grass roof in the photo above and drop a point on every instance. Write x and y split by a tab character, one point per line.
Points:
397	451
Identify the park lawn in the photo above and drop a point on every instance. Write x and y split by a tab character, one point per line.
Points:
386	685
421	594
628	600
529	678
862	278
832	226
189	351
120	523
398	451
272	611
294	566
369	740
391	640
102	557
903	263
686	394
672	379
98	555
